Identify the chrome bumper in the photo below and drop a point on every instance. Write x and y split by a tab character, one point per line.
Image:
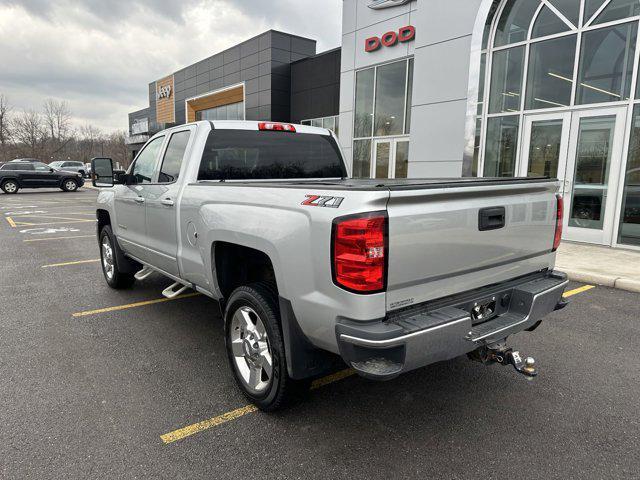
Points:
425	334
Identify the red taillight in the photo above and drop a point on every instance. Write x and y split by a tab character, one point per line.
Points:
277	127
359	253
559	218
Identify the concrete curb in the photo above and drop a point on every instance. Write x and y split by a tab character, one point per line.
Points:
621	283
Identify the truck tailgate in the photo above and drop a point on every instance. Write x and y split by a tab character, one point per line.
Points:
449	239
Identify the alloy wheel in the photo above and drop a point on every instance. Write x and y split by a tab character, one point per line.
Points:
251	350
108	263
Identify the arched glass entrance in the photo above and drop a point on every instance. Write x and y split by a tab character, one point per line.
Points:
560	85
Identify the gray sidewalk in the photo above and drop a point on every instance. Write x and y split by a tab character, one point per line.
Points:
600	265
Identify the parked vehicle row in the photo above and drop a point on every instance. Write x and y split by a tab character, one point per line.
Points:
16	175
391	275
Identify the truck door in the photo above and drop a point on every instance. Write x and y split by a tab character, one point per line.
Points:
130	202
162	204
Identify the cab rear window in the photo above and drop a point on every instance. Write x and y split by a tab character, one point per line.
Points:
264	155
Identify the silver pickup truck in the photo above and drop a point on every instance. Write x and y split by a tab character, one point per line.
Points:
308	264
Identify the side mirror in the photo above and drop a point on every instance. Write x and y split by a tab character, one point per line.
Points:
51	170
102	172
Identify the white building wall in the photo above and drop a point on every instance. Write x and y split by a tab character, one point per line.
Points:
442	52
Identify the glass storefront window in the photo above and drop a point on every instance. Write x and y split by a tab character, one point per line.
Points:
548	23
590	9
550	74
513	25
569	8
606	64
476	148
501	146
390	99
362	159
506	80
629	233
233	111
364	103
617	10
407	128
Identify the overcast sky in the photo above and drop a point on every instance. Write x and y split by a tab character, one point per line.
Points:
100	55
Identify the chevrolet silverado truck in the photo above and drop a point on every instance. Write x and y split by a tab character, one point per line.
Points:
308	264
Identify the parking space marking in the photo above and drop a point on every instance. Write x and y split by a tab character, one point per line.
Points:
198	427
96	260
56	223
58	238
11	222
242	411
133	305
582	289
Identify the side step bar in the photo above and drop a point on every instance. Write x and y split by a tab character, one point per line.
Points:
174	290
144	273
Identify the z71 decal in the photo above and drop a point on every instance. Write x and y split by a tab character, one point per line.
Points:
320	201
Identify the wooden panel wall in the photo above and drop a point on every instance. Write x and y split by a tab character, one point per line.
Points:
165	111
226	97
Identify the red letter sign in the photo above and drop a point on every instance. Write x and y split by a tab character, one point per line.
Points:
390	39
371	44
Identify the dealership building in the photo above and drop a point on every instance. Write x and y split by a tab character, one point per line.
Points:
442	88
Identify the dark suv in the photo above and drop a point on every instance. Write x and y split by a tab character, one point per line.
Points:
17	175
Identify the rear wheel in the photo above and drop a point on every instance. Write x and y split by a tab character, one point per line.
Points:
111	269
10	186
69	185
256	350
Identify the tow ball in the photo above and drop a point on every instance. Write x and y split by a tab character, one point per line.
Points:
507	356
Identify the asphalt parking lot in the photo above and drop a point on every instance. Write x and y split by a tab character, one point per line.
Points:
103	384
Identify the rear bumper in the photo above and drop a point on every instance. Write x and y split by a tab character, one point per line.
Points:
429	333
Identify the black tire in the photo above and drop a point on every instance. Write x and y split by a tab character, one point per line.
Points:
69	185
10	187
281	390
118	279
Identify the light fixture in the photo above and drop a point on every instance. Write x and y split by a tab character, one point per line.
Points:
550	102
551	74
600	90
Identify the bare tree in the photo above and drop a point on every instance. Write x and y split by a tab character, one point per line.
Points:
90	139
5	130
30	131
57	118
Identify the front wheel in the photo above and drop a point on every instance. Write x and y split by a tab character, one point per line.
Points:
256	350
10	187
69	185
112	271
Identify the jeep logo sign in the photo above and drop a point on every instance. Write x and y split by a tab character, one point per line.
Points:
390	39
163	92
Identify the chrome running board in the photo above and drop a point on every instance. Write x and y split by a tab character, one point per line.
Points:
174	290
144	273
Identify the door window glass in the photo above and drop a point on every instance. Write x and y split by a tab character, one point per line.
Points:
591	176
173	157
362	159
606	64
383	156
629	233
146	162
544	149
402	159
551	73
41	167
407	128
501	146
390	99
506	80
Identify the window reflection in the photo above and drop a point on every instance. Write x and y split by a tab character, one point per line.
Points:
629	233
501	146
390	99
506	80
551	73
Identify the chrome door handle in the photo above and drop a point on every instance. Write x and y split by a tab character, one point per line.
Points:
139	199
168	202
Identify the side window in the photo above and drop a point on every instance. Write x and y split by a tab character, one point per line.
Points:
173	157
145	163
41	167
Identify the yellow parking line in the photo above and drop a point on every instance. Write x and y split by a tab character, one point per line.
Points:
58	238
11	222
133	305
240	412
56	223
52	217
582	289
70	263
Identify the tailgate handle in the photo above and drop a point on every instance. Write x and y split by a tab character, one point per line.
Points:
491	218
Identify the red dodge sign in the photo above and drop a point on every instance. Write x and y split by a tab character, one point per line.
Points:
390	39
